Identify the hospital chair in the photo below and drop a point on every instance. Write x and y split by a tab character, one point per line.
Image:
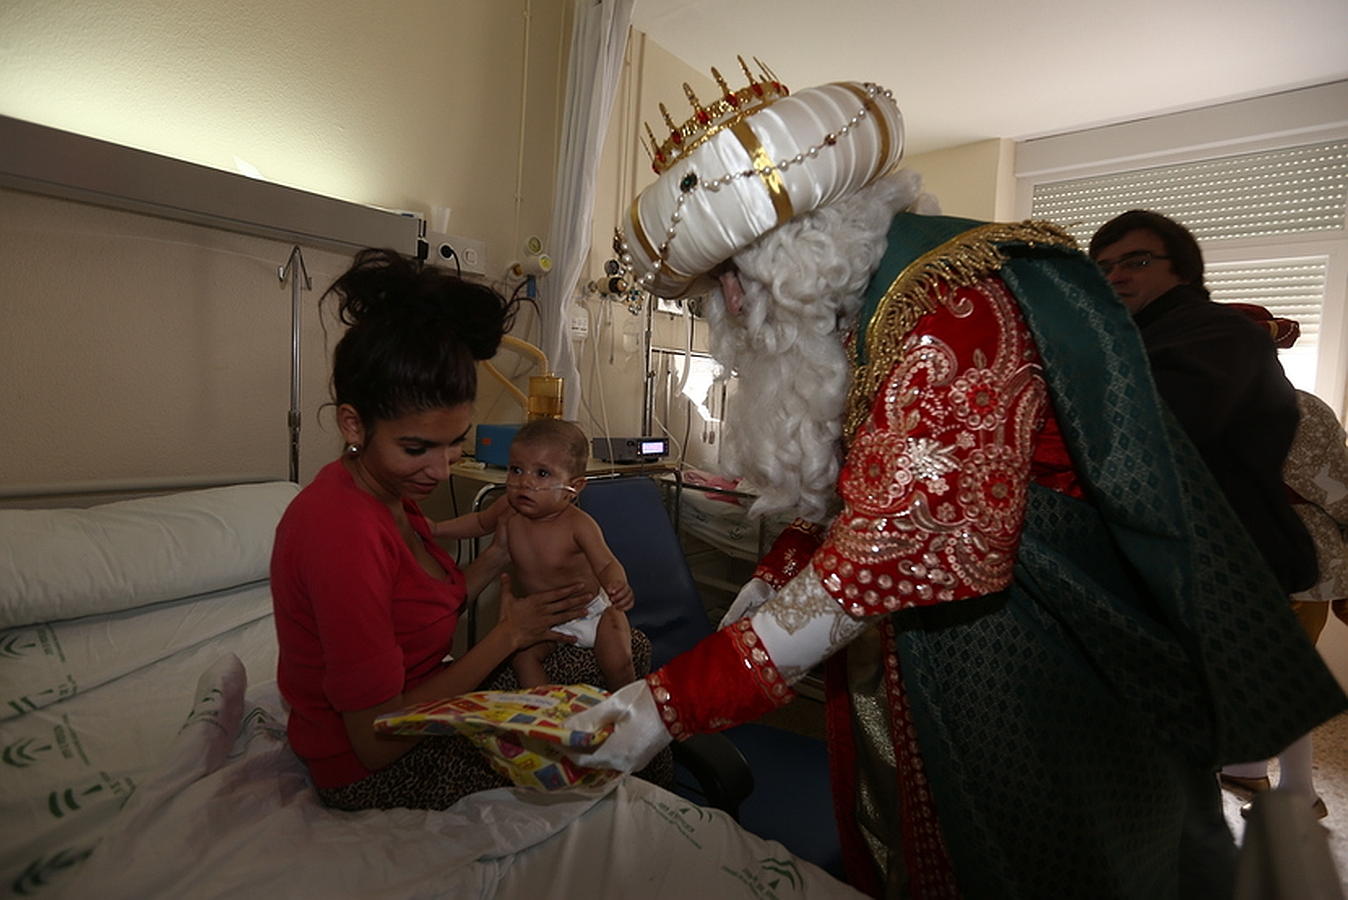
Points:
774	782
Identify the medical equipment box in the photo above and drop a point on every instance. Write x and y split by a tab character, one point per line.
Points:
630	449
493	444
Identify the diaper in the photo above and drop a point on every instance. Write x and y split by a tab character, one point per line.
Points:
584	626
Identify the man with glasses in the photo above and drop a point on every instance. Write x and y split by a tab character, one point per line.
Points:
1219	374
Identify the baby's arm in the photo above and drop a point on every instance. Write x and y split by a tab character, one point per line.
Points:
474	524
610	574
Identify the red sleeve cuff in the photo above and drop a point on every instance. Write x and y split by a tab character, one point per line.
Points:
725	680
790	553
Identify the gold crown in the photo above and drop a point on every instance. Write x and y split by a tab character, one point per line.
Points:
732	106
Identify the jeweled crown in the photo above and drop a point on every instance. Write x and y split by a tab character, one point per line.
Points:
762	90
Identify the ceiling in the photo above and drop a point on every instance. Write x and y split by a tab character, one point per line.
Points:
968	70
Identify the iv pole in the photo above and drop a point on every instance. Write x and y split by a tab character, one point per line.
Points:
293	418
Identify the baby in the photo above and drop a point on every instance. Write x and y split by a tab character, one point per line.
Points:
553	542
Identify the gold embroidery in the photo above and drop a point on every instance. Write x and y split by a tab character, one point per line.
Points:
934	482
963	260
796	606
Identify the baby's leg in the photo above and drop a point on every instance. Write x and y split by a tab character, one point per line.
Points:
613	648
528	664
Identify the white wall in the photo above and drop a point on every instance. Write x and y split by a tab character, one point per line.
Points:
612	361
134	348
975	181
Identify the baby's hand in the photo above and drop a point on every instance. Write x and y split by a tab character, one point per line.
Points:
620	595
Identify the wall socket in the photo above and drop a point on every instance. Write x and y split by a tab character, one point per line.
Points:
442	248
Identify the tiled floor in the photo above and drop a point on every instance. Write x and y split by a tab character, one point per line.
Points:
1330	743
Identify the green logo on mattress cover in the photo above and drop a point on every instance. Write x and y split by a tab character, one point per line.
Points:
773	876
25	641
678	817
39	699
43	869
29	751
62	803
26	752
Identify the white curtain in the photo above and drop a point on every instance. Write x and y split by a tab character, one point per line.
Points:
598	43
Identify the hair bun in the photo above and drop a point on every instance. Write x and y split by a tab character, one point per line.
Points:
387	290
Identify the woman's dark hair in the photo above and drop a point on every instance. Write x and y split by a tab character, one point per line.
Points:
1186	259
414	336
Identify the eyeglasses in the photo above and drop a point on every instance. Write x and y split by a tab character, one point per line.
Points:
1132	262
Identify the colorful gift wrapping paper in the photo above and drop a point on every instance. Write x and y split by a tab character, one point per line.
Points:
521	732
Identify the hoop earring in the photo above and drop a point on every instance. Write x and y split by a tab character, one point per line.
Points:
353	449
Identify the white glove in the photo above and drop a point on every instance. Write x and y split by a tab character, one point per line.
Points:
754	594
637	736
802	626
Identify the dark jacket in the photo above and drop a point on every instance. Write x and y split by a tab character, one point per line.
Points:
1219	373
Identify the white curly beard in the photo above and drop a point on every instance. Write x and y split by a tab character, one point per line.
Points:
803	285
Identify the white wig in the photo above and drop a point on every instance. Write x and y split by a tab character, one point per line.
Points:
803	286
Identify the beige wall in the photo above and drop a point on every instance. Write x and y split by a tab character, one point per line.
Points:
976	181
138	349
611	361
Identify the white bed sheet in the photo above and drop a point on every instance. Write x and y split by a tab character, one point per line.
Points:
722	520
229	813
137	761
46	662
69	766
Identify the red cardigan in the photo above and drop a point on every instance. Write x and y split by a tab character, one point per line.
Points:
358	620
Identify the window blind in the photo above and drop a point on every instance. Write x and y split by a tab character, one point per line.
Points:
1269	201
1288	288
1284	192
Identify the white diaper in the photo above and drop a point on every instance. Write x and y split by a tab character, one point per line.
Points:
583	627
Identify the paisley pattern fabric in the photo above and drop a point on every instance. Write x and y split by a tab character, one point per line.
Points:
790	553
1061	595
1317	472
934	483
1008	717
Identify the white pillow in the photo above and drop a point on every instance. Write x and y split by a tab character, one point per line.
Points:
65	563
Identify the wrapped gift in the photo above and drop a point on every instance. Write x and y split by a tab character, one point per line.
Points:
521	732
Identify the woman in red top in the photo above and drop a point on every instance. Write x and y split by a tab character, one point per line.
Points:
366	602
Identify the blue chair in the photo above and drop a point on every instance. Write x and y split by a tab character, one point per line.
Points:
774	782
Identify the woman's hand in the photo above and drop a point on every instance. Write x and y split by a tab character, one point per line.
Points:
531	618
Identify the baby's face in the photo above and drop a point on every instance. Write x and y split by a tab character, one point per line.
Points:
538	483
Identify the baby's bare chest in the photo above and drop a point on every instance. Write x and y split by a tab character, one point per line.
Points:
547	554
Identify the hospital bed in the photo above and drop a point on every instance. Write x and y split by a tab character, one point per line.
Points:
143	748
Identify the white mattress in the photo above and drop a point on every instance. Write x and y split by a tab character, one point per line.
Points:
226	811
143	748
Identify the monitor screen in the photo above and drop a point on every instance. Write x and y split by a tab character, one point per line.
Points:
654	447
